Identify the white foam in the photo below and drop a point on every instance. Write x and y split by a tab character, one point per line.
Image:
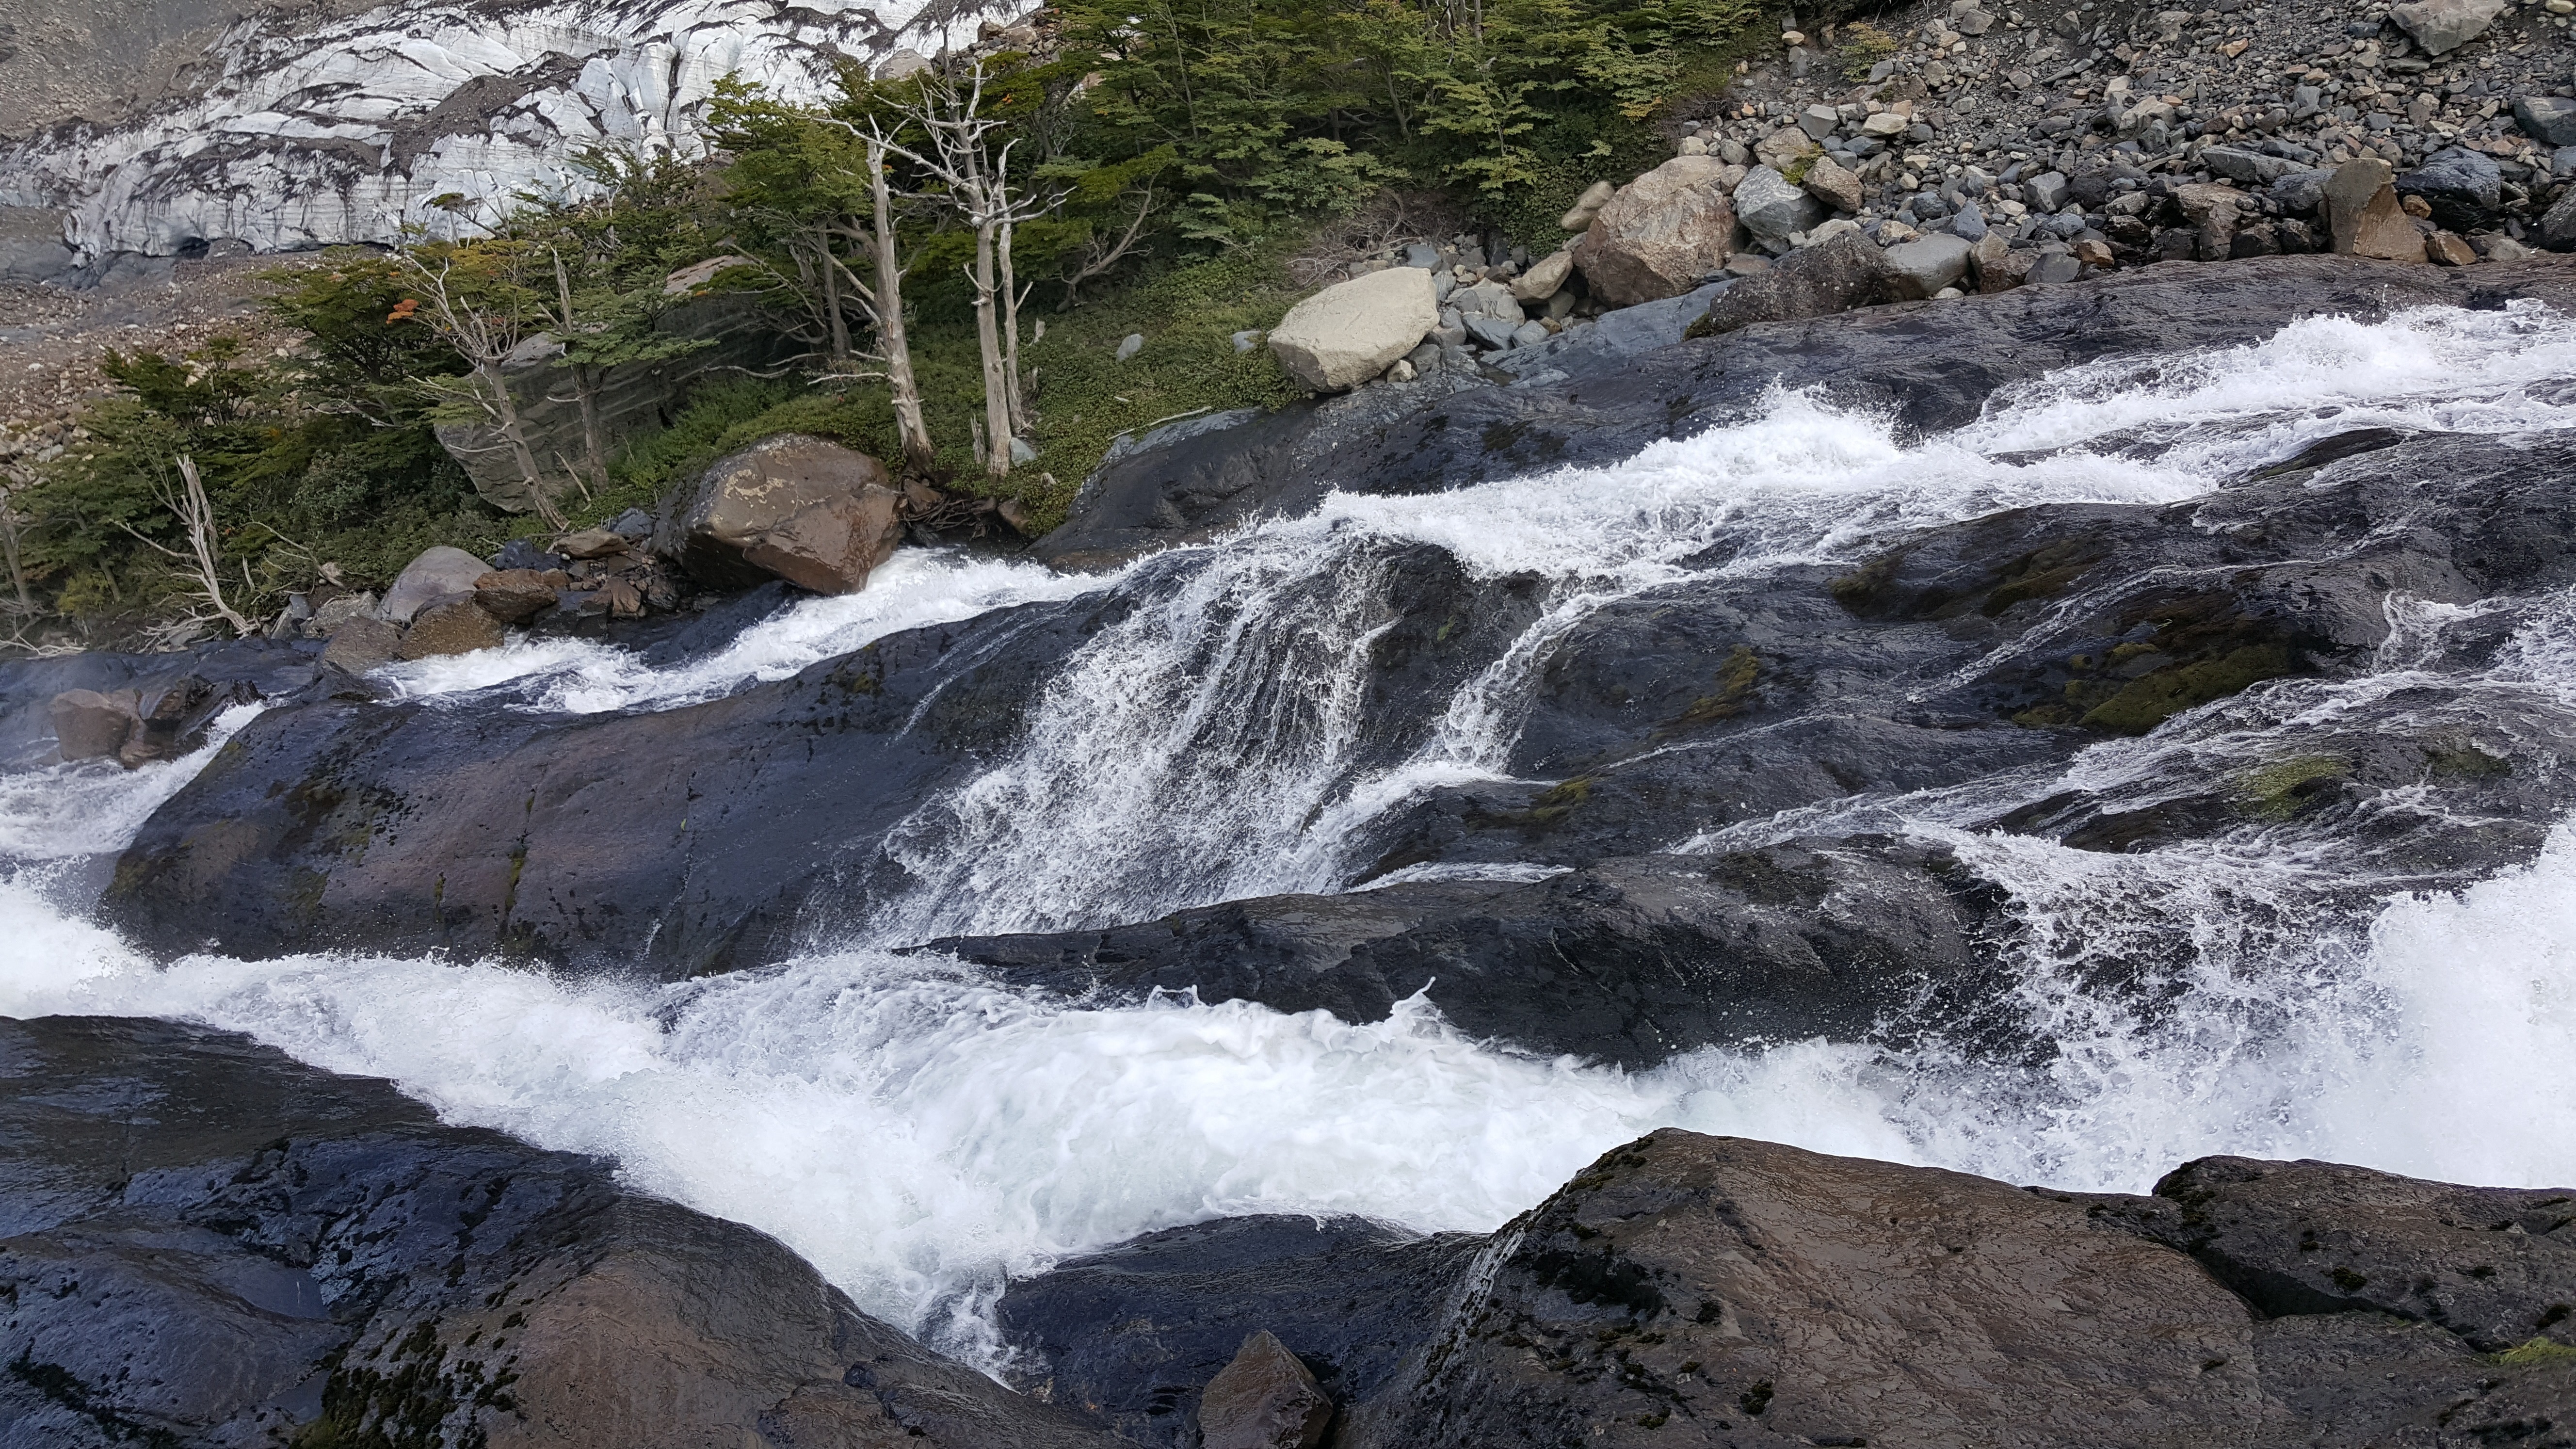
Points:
1204	747
915	588
94	807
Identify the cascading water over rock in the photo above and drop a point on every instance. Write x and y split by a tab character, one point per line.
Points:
2317	913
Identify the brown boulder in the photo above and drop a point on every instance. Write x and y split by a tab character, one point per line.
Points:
515	596
453	625
1660	235
1265	1399
2366	217
811	512
1723	1290
590	543
94	726
361	644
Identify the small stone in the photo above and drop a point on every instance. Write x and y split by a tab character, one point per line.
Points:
1969	224
1588	205
523	553
1820	121
1128	347
1492	333
1264	1399
2506	249
2092	253
590	543
2362	208
339	609
1247	340
1529	334
2047	191
1691	146
1421	255
2550	120
2449	249
1783	149
2558	228
1972	21
1832	185
2056	270
1348	333
1400	371
1545	276
515	596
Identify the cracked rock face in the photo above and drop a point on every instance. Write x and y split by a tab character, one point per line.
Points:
290	134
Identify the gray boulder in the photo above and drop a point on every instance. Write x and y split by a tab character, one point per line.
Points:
434	575
2046	191
2443	26
1922	267
1773	209
1350	332
814	513
2463	187
1833	276
2558	228
2251	168
2299	193
2550	120
1660	234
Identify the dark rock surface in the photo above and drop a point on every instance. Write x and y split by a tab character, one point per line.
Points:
1717	1291
209	1244
1933	365
1132	1335
1629	960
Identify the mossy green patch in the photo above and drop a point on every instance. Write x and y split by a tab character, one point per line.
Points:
2281	790
2150	700
2535	1352
1736	681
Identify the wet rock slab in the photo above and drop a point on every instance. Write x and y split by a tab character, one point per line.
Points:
209	1244
1722	1292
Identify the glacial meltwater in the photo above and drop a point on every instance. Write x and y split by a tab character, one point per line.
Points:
2279	987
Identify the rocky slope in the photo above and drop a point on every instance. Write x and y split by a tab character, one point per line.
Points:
210	1244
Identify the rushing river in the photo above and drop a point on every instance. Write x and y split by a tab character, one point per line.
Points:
921	1134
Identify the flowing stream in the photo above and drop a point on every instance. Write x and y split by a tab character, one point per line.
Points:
922	1134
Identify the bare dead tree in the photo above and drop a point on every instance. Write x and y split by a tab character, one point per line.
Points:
975	177
196	513
484	336
1100	252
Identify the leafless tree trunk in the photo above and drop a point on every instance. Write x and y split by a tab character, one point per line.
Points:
196	513
585	381
887	307
977	178
483	339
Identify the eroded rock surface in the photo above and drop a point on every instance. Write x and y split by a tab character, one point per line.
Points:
1715	1291
211	1244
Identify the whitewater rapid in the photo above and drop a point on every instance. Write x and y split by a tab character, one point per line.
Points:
922	1135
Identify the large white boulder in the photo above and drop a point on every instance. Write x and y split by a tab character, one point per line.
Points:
1350	332
1661	235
